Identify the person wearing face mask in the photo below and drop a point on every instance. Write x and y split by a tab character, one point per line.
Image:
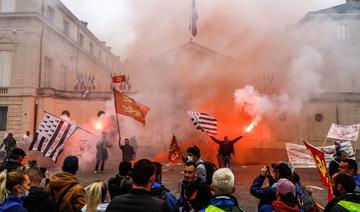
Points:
13	187
195	193
38	199
194	156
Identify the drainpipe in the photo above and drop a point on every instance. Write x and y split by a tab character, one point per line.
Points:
40	70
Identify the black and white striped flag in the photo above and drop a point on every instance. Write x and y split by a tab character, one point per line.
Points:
51	135
204	122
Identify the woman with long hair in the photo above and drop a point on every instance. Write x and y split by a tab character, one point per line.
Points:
13	186
96	197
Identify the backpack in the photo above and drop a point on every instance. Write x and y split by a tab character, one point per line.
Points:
210	169
305	199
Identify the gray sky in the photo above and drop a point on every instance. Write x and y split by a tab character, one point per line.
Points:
114	21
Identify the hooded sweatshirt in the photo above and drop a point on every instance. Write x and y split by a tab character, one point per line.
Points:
67	191
280	206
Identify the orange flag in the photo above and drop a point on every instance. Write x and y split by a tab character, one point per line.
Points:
319	158
127	106
174	151
118	79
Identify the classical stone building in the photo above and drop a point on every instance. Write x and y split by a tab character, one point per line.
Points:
338	29
49	61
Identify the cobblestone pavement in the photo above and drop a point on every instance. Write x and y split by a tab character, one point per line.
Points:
172	174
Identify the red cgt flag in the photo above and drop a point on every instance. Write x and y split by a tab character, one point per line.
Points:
174	151
319	158
118	79
127	106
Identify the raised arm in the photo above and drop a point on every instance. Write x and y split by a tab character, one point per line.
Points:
215	140
236	139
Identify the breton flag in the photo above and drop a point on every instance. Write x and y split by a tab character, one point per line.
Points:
193	19
51	135
127	106
204	122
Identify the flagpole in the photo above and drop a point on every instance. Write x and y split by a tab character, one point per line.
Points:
76	126
117	119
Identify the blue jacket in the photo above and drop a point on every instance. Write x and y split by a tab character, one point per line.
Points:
266	195
357	182
223	203
159	190
12	204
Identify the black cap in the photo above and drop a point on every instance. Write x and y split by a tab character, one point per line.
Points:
17	152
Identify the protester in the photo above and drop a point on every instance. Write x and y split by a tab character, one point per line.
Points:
160	191
25	141
338	155
96	198
15	161
304	197
351	166
38	199
193	155
343	188
226	148
128	152
223	185
65	187
195	193
285	197
101	152
121	183
268	194
10	144
13	186
139	198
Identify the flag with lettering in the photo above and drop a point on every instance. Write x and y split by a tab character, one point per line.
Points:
204	122
319	158
51	136
174	150
127	106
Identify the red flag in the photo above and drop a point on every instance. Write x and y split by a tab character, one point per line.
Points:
118	79
319	158
174	151
127	106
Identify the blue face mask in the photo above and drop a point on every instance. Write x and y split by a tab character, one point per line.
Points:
190	158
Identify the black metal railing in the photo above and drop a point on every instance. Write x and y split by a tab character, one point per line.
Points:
104	95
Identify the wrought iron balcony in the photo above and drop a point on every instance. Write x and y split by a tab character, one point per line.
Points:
91	95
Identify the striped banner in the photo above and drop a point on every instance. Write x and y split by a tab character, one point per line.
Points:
51	135
204	122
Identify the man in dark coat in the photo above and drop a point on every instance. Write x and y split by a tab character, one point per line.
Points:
121	183
343	186
226	149
10	145
15	161
101	152
128	152
139	198
195	193
38	199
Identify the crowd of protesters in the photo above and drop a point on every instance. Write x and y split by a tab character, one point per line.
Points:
139	187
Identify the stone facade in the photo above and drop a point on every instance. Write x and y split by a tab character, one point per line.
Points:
54	63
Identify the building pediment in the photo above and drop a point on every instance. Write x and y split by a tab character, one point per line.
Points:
5	39
188	48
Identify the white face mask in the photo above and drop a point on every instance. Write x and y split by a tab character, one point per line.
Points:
190	158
